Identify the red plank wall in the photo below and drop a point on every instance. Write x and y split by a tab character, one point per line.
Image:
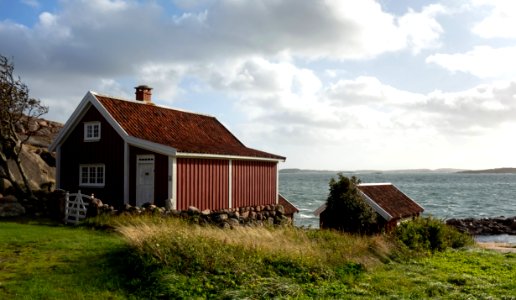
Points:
202	183
253	183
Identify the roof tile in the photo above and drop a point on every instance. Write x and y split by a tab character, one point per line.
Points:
392	200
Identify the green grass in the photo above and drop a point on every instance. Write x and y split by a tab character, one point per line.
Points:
148	258
452	274
57	262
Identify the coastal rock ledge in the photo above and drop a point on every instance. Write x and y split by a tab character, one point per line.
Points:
485	226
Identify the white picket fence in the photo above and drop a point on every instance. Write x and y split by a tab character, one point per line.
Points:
76	208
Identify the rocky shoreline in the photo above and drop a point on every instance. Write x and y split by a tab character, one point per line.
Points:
485	226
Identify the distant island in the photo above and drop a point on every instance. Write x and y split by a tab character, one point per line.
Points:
443	170
490	171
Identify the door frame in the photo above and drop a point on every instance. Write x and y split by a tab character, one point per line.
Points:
144	159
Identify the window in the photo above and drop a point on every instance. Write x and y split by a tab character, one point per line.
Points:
92	175
92	131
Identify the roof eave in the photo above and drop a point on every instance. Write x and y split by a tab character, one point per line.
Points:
151	146
224	156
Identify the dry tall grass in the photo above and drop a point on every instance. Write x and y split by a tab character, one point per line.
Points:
314	246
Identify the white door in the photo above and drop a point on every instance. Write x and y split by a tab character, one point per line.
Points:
144	179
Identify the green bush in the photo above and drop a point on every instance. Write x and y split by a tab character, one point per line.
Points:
346	210
430	234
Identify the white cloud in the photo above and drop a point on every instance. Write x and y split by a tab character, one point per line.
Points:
358	110
93	34
482	61
500	22
421	28
307	76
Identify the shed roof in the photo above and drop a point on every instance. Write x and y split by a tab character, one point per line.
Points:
187	132
391	200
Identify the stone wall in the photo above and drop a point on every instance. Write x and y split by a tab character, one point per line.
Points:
227	218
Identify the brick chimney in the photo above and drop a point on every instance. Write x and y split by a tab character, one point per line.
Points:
143	93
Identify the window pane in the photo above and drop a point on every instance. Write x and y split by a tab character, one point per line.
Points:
100	174
95	130
89	131
92	175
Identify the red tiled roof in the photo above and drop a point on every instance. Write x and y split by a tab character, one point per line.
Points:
186	132
392	200
290	209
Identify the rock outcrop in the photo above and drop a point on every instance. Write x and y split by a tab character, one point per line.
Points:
37	161
485	226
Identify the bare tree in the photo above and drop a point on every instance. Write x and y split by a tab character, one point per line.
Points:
17	108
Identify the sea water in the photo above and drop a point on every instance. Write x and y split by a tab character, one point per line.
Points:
442	195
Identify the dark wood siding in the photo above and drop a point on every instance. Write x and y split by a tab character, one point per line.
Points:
108	151
161	179
253	183
203	183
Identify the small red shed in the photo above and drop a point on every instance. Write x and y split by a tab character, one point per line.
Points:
391	205
134	152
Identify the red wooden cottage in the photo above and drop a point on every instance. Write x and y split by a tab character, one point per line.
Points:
391	205
133	151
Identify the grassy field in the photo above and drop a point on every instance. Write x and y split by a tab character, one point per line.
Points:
57	262
170	259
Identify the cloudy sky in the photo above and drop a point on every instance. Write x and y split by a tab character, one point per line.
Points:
335	84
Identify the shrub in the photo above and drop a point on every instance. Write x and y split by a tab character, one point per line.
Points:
346	210
429	234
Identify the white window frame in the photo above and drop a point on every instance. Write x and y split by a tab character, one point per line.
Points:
91	126
89	180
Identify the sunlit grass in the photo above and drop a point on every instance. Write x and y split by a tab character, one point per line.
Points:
56	262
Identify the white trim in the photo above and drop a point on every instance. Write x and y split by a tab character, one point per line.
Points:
174	183
88	100
223	156
92	125
277	184
89	184
151	146
375	184
126	173
375	206
77	115
169	177
230	184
